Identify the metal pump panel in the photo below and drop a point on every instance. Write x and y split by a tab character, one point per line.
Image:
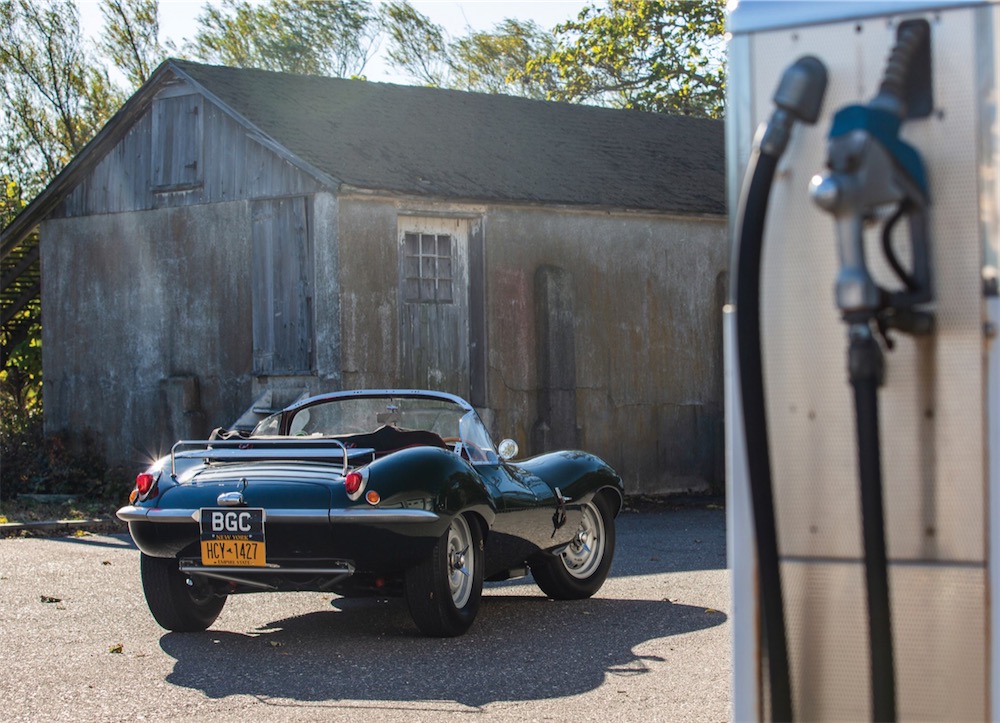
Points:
940	401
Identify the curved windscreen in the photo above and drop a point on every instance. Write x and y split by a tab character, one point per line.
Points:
335	417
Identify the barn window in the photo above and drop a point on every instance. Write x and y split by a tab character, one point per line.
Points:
427	268
177	142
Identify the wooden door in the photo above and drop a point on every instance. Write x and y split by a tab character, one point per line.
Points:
282	287
434	304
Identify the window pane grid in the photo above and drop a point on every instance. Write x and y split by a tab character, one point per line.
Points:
427	268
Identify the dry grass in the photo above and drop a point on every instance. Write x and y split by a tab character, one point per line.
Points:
27	511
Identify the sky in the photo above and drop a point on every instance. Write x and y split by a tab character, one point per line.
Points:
178	20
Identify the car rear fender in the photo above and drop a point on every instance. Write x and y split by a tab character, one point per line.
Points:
615	497
430	478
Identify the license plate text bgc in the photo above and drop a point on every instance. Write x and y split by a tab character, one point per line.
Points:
237	524
232	537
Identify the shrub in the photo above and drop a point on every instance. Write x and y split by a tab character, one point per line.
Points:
36	464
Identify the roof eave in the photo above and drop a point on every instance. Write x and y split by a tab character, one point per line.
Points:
563	205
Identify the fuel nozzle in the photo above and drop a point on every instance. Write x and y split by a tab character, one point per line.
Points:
873	173
799	97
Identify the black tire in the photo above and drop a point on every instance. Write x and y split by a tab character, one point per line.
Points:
175	605
443	591
580	570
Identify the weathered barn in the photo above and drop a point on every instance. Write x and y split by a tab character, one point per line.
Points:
234	238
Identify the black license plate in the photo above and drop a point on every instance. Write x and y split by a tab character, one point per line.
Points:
233	537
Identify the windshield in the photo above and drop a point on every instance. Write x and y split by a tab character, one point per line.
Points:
362	415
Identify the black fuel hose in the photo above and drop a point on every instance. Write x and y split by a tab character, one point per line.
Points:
866	372
798	97
748	351
866	368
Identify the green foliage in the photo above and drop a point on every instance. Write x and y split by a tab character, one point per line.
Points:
34	464
654	55
53	96
315	37
416	45
11	200
483	62
131	37
492	62
21	378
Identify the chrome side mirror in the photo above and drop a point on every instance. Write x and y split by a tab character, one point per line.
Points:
507	449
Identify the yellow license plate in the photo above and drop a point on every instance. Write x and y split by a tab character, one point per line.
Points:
233	537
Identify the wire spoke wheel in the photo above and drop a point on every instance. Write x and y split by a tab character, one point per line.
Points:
580	569
585	552
461	565
443	591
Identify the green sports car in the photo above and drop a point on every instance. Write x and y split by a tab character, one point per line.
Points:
378	493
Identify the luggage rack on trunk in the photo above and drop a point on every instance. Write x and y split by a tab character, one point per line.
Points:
256	449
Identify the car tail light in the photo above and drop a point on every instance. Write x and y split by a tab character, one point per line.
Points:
144	483
354	482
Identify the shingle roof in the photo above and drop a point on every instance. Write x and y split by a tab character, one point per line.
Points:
454	144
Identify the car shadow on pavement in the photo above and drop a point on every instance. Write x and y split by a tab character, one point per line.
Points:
520	648
120	541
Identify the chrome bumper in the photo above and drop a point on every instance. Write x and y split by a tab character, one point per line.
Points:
361	516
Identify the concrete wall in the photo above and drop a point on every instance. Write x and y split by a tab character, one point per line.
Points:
147	332
642	297
603	331
369	279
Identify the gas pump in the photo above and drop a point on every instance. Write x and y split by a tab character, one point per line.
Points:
862	371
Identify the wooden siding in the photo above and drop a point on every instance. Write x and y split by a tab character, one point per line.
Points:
177	126
235	167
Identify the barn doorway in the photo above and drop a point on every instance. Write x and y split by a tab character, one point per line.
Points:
434	304
282	287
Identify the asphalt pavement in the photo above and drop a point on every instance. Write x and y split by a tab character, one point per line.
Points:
77	643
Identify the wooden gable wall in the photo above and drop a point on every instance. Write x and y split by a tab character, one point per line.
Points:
181	127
